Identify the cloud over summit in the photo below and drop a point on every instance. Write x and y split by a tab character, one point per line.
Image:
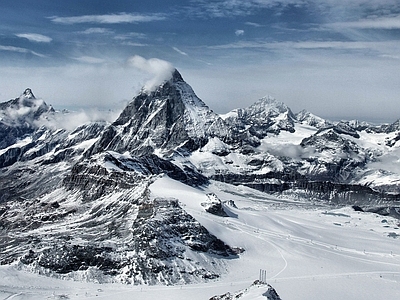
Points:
159	69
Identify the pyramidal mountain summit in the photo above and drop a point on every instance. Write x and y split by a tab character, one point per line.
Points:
84	203
169	117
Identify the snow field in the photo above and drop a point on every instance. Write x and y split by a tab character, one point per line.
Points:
320	251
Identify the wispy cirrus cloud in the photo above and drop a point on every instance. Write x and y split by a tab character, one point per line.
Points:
254	24
97	30
180	51
35	37
131	39
232	8
90	59
20	50
130	35
133	44
340	45
390	22
229	8
310	50
109	18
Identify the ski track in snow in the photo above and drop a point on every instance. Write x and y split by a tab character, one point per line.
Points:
267	235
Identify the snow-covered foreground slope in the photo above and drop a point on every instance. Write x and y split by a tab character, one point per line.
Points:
309	251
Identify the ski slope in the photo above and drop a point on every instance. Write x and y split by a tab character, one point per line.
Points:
309	251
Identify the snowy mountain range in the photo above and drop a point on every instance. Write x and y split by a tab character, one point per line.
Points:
81	203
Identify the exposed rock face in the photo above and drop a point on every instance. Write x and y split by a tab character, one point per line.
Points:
306	117
256	290
214	206
265	116
164	234
36	165
151	241
394	127
346	156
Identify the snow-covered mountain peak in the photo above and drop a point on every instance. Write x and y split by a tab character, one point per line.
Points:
174	84
25	108
393	127
267	115
308	118
268	99
28	94
268	104
170	116
176	76
21	116
167	77
187	94
270	109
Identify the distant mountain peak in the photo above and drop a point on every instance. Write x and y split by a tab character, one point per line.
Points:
28	94
268	99
306	117
269	104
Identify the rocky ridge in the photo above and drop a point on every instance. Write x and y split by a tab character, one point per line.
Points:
258	289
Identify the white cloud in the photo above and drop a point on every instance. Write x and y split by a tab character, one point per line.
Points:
34	37
73	119
161	70
130	35
109	19
133	44
377	48
239	32
253	24
97	30
90	59
19	50
228	8
180	51
371	23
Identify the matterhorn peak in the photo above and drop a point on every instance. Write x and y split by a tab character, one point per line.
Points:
176	76
171	77
28	94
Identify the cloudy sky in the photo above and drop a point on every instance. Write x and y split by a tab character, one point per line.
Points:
339	59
